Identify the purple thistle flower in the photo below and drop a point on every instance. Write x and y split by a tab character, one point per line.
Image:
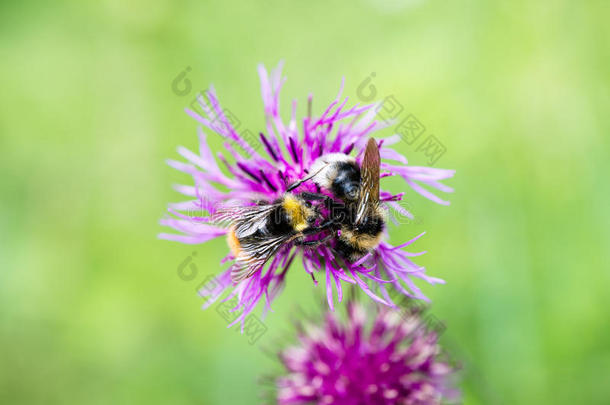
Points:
387	360
288	151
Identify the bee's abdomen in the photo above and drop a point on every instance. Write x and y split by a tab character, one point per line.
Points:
353	245
372	226
343	176
233	242
349	250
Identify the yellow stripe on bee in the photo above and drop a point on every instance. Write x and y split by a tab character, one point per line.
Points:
361	241
294	209
368	242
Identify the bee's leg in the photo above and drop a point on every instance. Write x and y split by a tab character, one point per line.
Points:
328	202
313	196
315	243
316	229
324	226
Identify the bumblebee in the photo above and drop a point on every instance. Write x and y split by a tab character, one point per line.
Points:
257	232
359	216
362	221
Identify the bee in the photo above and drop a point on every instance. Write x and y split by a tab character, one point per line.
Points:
257	232
362	222
359	216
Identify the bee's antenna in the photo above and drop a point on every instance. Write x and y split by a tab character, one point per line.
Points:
304	179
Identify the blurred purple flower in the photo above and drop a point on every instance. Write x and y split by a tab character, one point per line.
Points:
359	361
290	151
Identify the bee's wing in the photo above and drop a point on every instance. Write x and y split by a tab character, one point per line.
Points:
254	254
246	219
369	183
254	249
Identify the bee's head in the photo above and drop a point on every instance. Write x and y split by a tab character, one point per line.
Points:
346	184
352	190
346	189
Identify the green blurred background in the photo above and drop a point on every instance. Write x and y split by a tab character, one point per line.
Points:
91	307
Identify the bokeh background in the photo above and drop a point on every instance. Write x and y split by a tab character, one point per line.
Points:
91	307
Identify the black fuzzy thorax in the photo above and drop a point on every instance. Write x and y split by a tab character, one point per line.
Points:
278	221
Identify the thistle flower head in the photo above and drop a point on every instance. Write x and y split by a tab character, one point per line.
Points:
390	359
261	167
